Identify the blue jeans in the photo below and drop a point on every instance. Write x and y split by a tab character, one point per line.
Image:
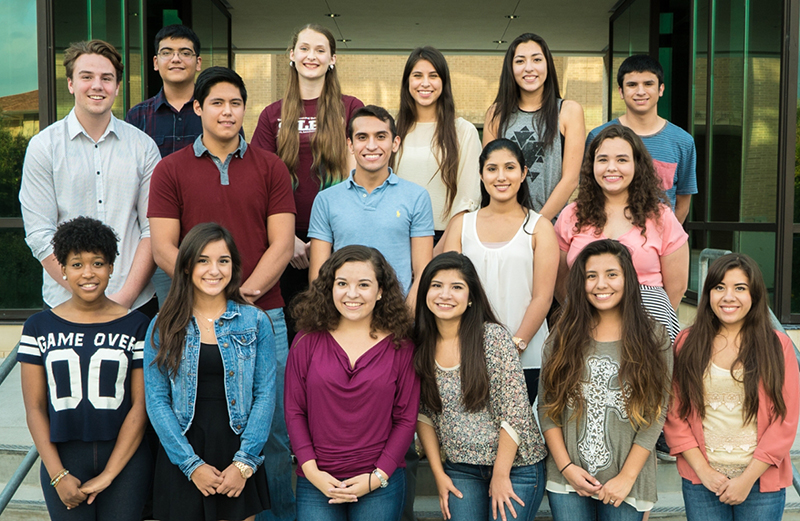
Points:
277	454
703	504
572	507
123	500
382	504
473	482
162	282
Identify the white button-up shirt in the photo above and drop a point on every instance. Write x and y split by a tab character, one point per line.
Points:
67	174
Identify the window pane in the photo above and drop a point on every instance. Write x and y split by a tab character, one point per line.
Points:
699	101
631	36
796	273
70	24
761	113
19	97
20	273
726	116
695	247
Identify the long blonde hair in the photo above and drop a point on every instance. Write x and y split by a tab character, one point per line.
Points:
328	145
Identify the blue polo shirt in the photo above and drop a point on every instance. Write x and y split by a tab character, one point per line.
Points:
385	219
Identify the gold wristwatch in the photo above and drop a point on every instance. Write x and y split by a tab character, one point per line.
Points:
520	343
244	468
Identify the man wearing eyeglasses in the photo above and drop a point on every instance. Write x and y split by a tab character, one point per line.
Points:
168	117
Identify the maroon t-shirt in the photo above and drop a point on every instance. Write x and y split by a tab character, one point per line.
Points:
188	188
266	137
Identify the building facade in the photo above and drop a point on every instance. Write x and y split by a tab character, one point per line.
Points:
731	74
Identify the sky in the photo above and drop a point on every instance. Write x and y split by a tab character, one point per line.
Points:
18	68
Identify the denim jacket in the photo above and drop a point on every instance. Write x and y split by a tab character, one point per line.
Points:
247	344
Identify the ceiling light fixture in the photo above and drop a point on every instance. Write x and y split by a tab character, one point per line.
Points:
512	16
332	15
500	41
344	40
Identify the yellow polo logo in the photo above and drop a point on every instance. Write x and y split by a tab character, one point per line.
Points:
398	213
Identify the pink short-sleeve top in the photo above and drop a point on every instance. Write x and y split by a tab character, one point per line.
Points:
660	239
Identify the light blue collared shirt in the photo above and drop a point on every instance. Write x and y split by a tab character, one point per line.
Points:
385	219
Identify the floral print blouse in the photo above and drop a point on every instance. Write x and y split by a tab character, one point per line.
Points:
472	438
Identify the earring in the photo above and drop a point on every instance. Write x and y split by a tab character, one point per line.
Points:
291	63
330	67
379	297
469	304
64	277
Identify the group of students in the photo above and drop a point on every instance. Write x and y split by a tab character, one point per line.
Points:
416	306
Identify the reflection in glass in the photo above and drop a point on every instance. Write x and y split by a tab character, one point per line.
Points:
795	274
631	36
22	274
744	113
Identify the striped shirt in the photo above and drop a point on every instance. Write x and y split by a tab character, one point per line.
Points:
67	174
87	369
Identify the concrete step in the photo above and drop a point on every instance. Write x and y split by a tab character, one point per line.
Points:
10	458
27	503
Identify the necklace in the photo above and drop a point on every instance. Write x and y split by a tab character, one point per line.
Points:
210	320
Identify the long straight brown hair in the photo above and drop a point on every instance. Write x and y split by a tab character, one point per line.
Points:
507	100
445	138
760	351
643	370
474	374
328	145
176	313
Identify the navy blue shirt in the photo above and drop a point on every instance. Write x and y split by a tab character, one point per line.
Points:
171	129
88	370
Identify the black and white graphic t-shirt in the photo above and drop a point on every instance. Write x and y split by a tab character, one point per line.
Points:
88	368
543	162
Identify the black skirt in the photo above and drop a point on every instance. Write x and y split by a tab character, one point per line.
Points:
176	498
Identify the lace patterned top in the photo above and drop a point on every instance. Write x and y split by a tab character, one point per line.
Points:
473	437
729	443
601	439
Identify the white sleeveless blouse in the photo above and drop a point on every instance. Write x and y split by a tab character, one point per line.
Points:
507	277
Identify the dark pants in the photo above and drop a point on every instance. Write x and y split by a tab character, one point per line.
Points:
123	500
412	462
293	282
532	383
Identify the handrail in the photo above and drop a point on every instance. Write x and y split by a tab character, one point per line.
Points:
706	257
19	474
8	364
30	458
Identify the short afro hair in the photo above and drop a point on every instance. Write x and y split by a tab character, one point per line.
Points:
84	234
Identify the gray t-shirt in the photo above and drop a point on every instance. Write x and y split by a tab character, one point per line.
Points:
601	439
543	162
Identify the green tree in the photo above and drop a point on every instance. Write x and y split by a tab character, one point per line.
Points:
12	154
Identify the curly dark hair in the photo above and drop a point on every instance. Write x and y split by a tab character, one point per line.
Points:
314	310
84	234
645	193
474	375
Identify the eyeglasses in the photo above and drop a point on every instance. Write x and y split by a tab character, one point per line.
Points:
167	53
